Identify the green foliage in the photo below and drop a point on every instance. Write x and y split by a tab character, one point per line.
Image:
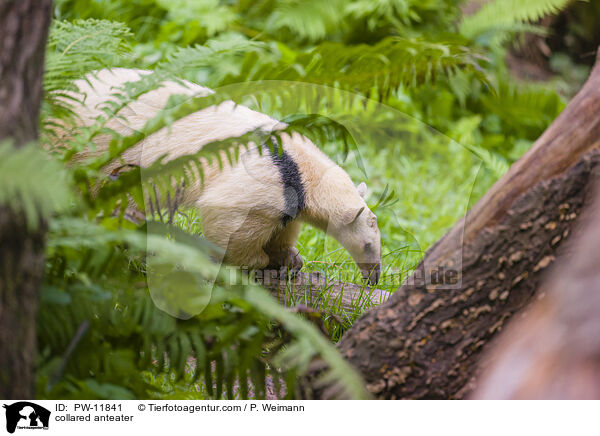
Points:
427	115
309	20
76	48
386	66
96	306
206	16
295	22
519	111
32	183
102	313
503	14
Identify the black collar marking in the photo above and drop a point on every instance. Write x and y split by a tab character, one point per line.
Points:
293	189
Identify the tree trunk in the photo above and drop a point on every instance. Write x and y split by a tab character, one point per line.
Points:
23	32
426	340
553	352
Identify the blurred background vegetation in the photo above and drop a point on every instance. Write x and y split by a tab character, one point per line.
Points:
440	98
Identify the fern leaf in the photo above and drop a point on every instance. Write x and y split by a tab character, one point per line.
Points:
309	20
504	13
31	182
349	382
388	65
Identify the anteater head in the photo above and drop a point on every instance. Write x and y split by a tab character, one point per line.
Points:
358	232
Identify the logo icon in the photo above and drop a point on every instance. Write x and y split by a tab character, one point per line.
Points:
26	415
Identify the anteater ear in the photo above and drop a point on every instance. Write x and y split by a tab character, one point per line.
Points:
362	189
351	215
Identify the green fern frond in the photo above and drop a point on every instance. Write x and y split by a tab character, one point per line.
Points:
77	234
209	64
400	17
383	68
347	383
501	14
32	183
376	69
524	110
309	20
76	48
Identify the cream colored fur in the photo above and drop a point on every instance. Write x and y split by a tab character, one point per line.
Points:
241	206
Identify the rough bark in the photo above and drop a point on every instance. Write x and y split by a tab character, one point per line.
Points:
23	33
553	351
313	289
426	340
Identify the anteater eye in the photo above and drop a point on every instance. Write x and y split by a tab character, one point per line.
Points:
367	246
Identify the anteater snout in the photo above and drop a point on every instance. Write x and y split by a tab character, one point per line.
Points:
371	272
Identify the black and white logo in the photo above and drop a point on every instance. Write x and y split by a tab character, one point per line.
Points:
26	415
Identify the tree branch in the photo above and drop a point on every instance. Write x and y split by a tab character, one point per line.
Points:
313	289
553	351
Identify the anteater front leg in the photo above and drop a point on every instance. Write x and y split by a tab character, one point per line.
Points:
282	251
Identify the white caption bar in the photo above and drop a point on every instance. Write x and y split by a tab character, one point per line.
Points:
300	417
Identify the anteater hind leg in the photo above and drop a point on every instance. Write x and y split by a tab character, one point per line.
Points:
241	233
282	251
